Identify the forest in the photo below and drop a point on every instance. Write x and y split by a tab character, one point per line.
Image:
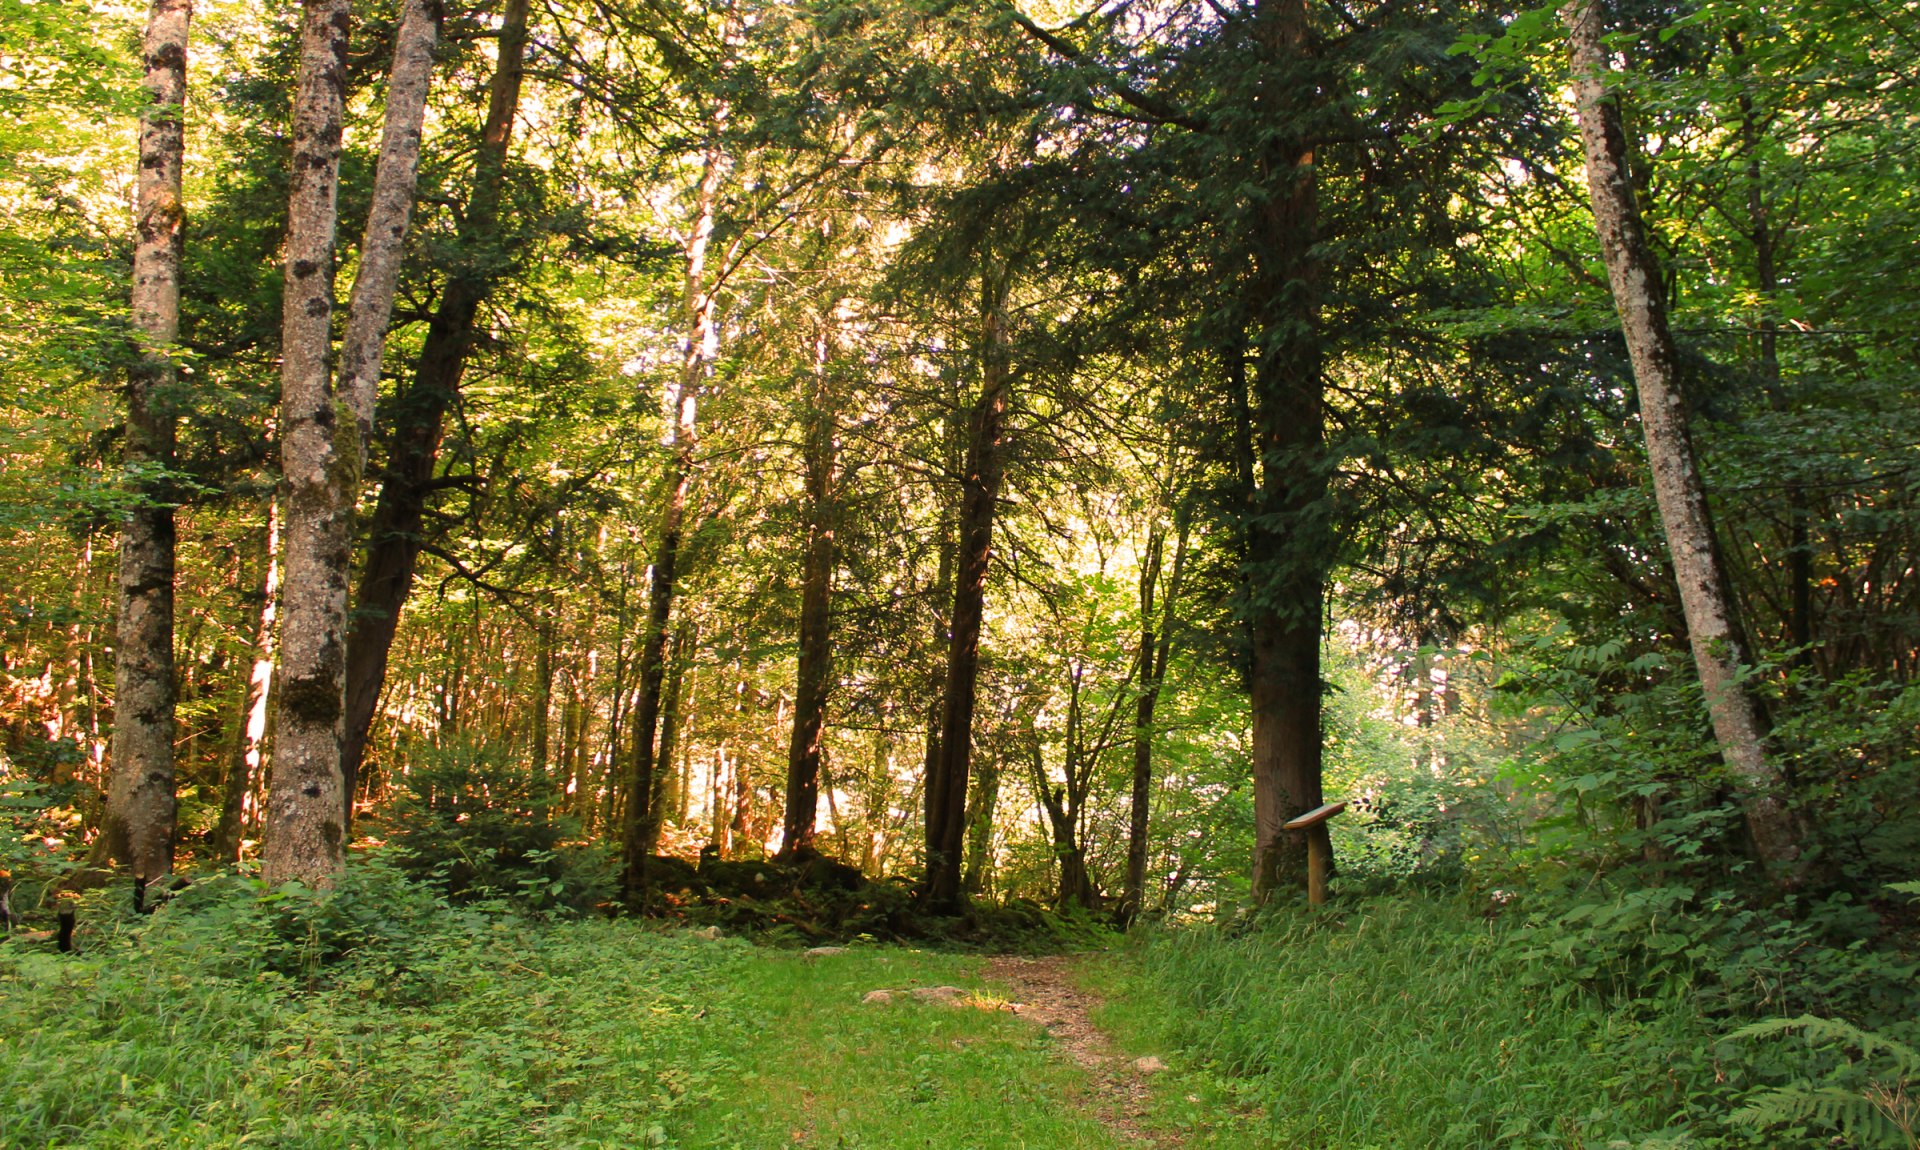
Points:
974	573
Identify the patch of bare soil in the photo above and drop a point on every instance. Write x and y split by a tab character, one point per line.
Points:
1043	992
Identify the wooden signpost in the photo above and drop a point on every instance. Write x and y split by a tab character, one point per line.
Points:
1319	850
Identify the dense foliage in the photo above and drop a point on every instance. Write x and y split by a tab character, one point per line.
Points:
902	469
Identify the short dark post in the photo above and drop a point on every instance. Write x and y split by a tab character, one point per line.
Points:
1319	853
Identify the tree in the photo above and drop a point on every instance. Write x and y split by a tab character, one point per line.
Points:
396	529
1714	631
140	808
306	831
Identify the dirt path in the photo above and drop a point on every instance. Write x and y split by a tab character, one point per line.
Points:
1043	992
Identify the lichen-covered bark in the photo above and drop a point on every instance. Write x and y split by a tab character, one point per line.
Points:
319	458
140	800
1714	630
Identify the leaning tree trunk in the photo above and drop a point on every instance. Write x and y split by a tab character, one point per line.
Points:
398	524
1713	626
381	246
946	796
816	588
1287	542
698	302
140	799
305	834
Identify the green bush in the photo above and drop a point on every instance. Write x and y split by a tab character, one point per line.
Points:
481	826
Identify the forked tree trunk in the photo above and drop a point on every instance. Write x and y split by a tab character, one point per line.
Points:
698	302
398	524
816	588
305	833
139	827
1287	543
243	767
1713	626
1156	648
946	793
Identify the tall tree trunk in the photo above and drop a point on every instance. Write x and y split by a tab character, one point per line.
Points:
1287	540
816	588
1713	626
696	356
305	834
1155	651
140	799
396	530
946	795
243	767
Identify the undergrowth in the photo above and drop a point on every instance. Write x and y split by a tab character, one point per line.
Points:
1430	1023
376	1016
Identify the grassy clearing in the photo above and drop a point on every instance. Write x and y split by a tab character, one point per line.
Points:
830	1072
387	1019
1395	1024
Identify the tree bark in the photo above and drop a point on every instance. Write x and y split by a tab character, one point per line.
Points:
395	177
398	523
1155	651
1714	630
139	825
946	795
814	678
243	769
1287	542
696	357
305	834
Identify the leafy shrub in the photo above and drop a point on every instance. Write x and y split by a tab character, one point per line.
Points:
480	826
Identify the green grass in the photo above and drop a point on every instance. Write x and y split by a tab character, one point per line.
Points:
830	1072
1396	1024
386	1019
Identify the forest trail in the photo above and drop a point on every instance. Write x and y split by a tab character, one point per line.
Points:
1046	993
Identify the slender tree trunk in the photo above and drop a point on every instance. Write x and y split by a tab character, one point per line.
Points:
1076	887
140	799
542	689
816	588
1713	625
696	357
243	769
1155	651
319	448
947	784
980	811
1287	541
395	176
667	786
398	524
1767	277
